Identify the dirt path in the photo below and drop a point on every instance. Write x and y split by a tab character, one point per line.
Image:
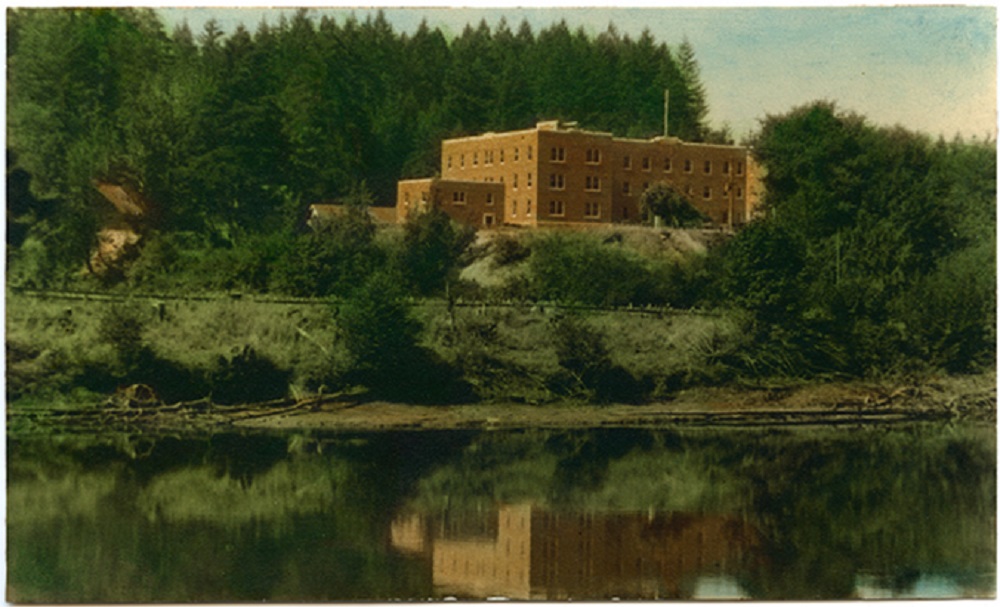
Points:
826	403
967	397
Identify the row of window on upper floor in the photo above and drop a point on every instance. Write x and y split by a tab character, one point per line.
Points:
593	156
489	156
708	166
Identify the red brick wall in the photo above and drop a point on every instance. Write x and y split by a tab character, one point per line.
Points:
479	205
559	176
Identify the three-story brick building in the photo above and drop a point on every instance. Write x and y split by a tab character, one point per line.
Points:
559	175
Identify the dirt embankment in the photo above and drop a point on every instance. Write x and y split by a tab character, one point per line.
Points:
965	397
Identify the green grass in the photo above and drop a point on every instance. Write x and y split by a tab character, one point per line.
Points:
507	350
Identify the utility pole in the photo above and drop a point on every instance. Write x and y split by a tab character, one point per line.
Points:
666	112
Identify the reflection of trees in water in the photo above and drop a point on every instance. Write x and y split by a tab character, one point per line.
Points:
883	501
311	517
222	519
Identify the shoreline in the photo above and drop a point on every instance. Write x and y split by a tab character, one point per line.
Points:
947	398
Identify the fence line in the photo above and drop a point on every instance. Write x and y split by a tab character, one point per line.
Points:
541	306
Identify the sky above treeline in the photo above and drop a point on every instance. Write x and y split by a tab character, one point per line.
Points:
928	68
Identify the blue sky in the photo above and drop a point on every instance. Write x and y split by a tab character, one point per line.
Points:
927	68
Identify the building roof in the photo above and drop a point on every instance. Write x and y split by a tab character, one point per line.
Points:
571	127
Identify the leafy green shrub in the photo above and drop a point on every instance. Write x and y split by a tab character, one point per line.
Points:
334	258
586	367
121	326
574	267
432	251
247	377
508	250
663	201
381	338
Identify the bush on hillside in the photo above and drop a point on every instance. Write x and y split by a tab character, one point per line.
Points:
578	268
247	377
381	338
586	367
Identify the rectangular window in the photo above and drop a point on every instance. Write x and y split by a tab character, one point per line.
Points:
558	154
461	161
592	183
739	168
739	192
489	197
667	165
645	163
556	208
501	155
593	156
708	167
688	166
529	152
725	167
488	219
626	188
515	181
517	154
529	180
557	181
707	192
627	161
458	197
513	208
528	210
449	162
475	159
592	209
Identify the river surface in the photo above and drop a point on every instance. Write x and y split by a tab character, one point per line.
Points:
890	511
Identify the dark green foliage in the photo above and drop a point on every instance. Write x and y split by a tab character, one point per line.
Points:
381	338
247	377
867	261
121	327
577	268
432	250
220	130
587	368
663	201
508	250
333	259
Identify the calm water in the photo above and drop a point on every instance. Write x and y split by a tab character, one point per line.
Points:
838	513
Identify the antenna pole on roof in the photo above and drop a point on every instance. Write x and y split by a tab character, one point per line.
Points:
666	112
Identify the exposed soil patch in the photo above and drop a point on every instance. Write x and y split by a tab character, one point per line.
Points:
966	397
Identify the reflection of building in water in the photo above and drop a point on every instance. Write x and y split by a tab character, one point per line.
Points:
538	554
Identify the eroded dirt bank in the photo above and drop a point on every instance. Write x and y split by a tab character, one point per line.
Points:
965	397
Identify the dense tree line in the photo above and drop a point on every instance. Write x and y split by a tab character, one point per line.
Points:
874	251
234	133
877	251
